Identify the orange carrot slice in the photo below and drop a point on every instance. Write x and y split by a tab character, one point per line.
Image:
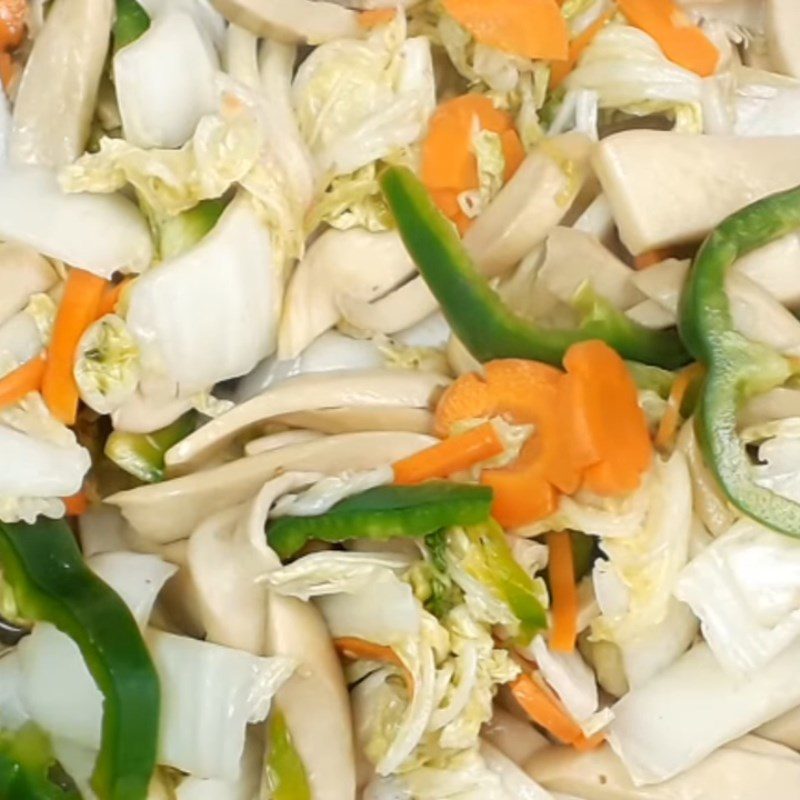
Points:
560	69
354	648
672	416
23	380
13	14
449	165
449	456
652	257
564	605
375	17
112	294
682	42
77	311
524	392
77	504
528	28
545	709
608	428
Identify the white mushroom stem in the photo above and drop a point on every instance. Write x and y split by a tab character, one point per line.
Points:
292	21
57	94
667	188
168	511
383	389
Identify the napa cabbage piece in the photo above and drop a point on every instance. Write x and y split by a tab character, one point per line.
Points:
742	587
192	318
630	73
453	663
359	100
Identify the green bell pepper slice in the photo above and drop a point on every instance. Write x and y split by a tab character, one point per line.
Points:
131	22
286	776
50	582
383	513
480	319
28	768
737	367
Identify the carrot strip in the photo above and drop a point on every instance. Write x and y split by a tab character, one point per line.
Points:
584	744
607	426
23	380
545	709
450	455
77	311
528	28
564	605
354	648
652	257
76	505
672	416
375	17
112	294
13	14
560	69
683	43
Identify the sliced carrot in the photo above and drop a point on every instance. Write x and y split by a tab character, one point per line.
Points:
607	426
450	455
375	17
681	41
13	14
564	604
449	165
23	380
112	294
652	257
560	69
524	392
528	28
76	505
8	69
545	709
672	416
82	295
354	648
584	744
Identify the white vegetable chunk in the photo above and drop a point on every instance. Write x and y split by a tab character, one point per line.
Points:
165	82
74	228
783	22
195	316
23	272
683	714
667	188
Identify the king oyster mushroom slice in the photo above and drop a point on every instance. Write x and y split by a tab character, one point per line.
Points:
783	23
60	83
380	389
747	769
292	21
356	264
783	730
227	554
351	420
166	512
700	180
533	202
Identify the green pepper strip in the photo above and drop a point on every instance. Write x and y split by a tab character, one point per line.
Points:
27	767
385	512
480	319
737	367
132	21
142	454
51	583
285	772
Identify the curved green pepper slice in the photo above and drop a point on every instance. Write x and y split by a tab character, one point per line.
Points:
737	367
385	512
480	319
51	583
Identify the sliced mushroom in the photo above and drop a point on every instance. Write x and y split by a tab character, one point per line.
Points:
747	769
770	406
352	420
145	414
517	739
226	556
166	512
776	268
700	180
573	258
292	21
23	272
275	441
382	389
783	23
355	264
57	93
534	201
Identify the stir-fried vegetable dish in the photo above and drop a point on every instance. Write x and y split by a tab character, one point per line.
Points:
399	399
